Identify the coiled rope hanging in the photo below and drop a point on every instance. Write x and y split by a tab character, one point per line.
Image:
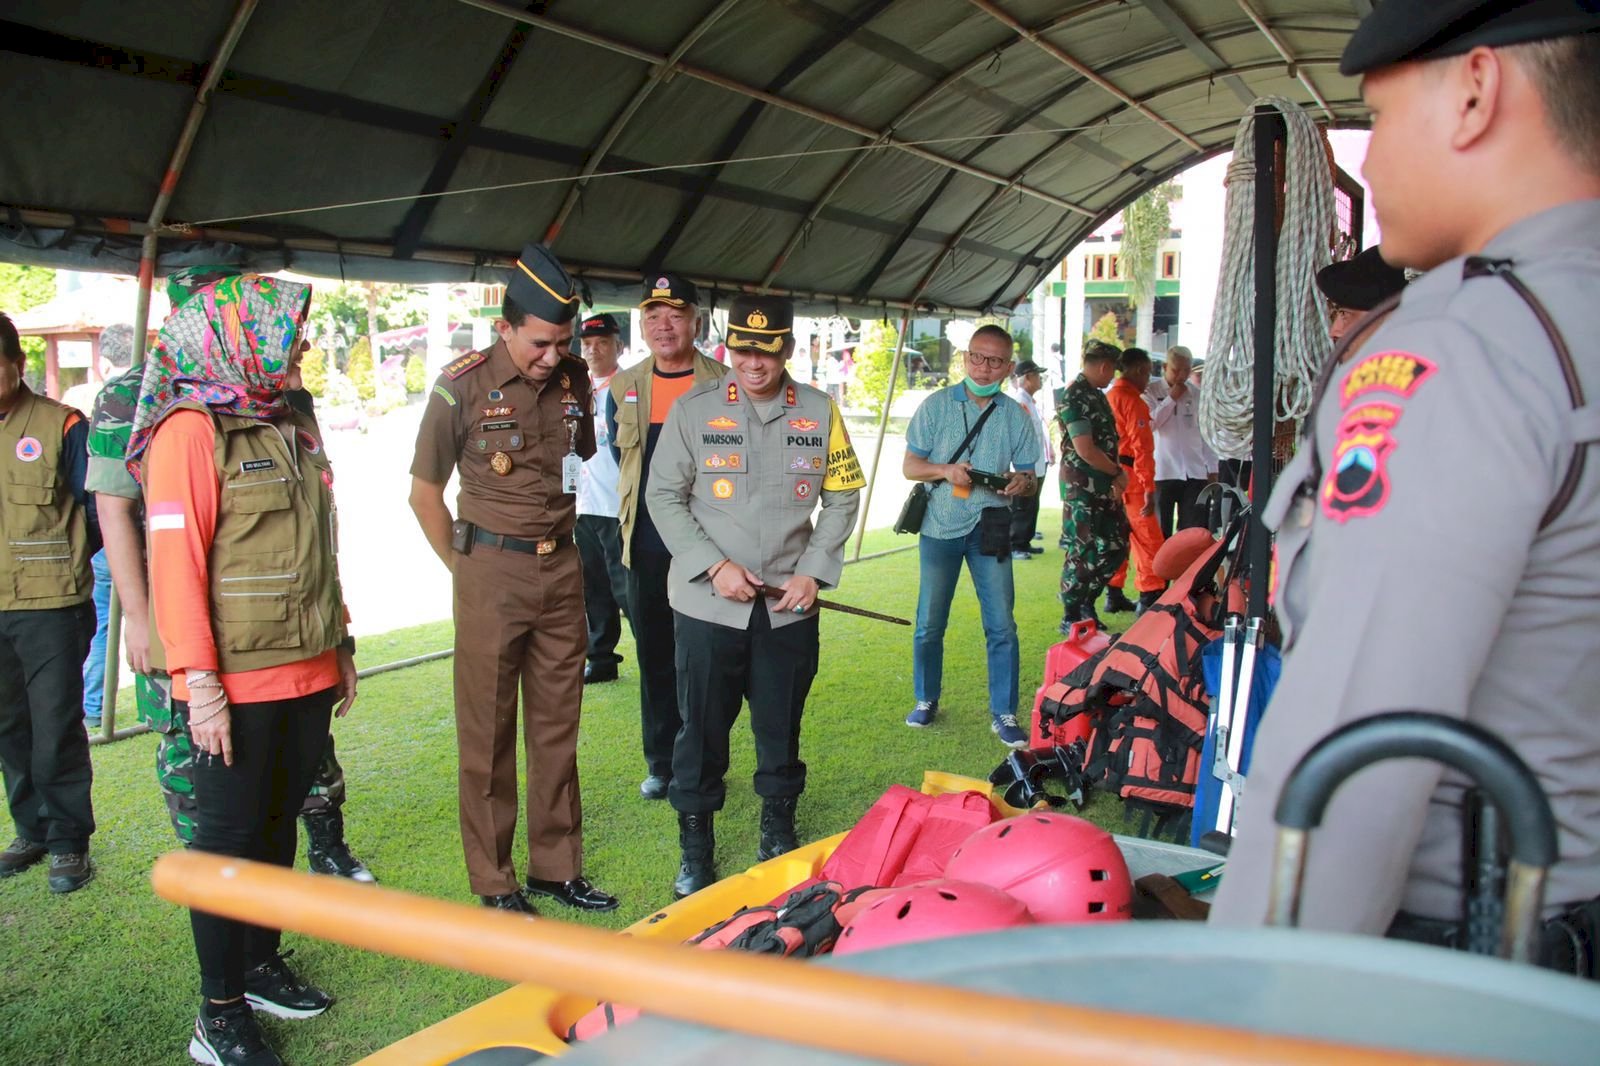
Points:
1302	345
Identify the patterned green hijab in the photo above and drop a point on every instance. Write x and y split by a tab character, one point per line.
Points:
229	347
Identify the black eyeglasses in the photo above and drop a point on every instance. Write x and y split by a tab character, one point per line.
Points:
993	362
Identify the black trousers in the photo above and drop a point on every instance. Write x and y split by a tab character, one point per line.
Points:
1024	521
44	750
248	810
654	643
1177	504
718	669
605	585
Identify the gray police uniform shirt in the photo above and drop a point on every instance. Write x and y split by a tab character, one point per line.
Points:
1415	575
733	481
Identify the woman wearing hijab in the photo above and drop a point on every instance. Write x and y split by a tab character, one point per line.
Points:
246	602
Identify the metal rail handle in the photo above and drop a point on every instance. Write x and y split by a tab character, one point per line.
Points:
1462	746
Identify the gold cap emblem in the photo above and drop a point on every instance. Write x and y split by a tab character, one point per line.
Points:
757	320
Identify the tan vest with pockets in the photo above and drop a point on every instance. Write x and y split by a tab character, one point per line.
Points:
275	596
43	529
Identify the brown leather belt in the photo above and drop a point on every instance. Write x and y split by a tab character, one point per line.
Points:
517	544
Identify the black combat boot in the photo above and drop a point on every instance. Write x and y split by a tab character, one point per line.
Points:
1117	601
326	851
1148	600
777	828
698	840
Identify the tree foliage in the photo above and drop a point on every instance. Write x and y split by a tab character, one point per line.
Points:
314	372
874	357
23	288
1145	224
360	370
1106	329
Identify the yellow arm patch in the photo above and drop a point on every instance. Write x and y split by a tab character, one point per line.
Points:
844	469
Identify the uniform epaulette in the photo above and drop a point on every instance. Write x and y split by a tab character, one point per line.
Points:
465	363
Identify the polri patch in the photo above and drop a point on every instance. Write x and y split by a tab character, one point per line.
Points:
250	466
1400	373
1357	486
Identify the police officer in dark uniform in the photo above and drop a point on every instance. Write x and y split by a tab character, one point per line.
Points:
515	421
1439	530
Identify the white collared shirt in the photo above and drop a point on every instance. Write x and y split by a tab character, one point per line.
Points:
1181	453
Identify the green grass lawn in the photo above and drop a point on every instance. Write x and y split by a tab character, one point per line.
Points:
107	975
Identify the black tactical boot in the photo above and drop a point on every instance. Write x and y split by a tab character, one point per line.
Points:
1148	600
697	838
1117	601
777	828
326	851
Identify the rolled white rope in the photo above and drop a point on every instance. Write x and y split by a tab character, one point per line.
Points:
1227	391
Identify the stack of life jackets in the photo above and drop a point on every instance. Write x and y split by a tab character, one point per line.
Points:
1144	697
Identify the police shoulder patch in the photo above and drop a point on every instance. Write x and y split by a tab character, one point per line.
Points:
1396	372
460	366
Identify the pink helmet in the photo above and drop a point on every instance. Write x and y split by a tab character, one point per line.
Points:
929	911
1064	868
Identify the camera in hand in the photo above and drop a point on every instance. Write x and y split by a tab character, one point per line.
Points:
997	482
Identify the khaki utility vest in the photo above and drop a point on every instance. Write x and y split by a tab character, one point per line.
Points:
275	596
633	431
44	560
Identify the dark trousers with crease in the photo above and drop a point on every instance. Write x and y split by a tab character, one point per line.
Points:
44	750
248	811
719	668
605	585
656	646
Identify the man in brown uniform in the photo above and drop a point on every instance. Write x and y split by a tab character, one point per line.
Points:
516	422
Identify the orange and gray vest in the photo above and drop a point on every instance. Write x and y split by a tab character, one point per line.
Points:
275	596
43	528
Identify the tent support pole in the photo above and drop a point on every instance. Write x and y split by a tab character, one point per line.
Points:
883	428
1270	131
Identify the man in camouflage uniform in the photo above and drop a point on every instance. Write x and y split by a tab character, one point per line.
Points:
1094	524
118	495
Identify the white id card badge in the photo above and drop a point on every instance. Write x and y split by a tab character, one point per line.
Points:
571	467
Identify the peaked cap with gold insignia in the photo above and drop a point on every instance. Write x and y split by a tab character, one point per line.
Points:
760	323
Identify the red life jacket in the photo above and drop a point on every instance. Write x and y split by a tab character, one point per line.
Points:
1146	700
806	923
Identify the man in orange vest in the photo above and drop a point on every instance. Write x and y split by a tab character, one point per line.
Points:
1137	455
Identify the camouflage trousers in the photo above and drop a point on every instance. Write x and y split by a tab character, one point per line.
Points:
1095	526
175	759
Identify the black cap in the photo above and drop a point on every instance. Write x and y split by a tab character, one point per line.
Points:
1026	367
1402	30
760	323
541	286
599	326
1361	283
666	288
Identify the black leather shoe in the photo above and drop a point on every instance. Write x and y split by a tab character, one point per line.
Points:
577	893
511	901
598	673
654	787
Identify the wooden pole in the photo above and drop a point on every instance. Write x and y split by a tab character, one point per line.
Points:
773	999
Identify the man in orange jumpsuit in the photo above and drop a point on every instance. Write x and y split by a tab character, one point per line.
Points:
1137	455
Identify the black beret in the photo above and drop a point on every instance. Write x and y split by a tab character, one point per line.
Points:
599	326
541	286
760	323
1402	30
667	288
1361	283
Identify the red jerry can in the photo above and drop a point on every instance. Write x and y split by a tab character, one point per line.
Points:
1084	641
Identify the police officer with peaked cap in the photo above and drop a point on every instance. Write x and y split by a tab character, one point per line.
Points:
515	422
1439	530
738	469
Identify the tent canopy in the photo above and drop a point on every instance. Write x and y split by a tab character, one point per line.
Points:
867	156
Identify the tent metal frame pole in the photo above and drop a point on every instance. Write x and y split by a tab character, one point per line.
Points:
141	313
883	429
1270	132
1288	57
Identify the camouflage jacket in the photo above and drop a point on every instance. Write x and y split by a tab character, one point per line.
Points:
1084	409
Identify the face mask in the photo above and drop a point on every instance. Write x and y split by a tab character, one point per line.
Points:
983	391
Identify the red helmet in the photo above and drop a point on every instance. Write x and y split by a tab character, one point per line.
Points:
929	911
1064	868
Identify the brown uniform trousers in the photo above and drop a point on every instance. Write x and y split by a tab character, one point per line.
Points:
519	620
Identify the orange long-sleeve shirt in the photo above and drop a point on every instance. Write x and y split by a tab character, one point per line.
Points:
1134	436
182	492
